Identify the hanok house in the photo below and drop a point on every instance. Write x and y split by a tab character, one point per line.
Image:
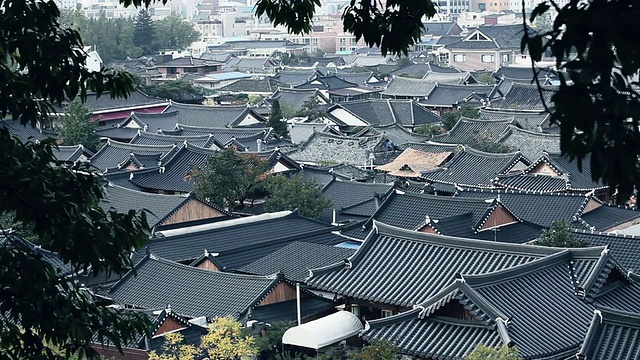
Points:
108	112
176	68
161	209
115	155
193	292
611	335
411	163
543	307
395	270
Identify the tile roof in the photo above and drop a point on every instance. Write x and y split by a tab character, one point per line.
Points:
310	307
466	130
224	134
524	97
136	99
12	239
294	78
387	112
430	147
117	133
250	235
531	144
114	153
416	71
71	153
327	82
360	78
612	335
447	95
322	147
476	168
625	248
400	134
171	175
607	216
541	315
159	139
411	163
213	116
152	122
530	120
26	132
405	268
538	208
532	183
260	85
440	28
408	87
120	178
579	179
295	260
347	193
300	132
189	61
295	98
449	78
190	291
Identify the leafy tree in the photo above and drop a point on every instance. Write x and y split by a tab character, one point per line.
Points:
375	350
173	32
126	43
176	90
482	352
394	26
229	177
559	235
276	119
486	79
254	99
310	110
483	141
77	127
429	130
225	340
45	315
451	118
295	193
597	104
272	338
144	32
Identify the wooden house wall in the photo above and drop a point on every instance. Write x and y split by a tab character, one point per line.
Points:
208	265
193	210
169	324
499	217
592	205
282	292
543	169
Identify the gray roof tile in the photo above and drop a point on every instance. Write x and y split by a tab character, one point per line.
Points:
295	260
401	267
114	153
466	130
612	335
190	291
322	147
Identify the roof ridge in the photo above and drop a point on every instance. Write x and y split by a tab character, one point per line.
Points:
129	146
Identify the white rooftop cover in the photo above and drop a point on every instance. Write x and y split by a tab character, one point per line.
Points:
325	331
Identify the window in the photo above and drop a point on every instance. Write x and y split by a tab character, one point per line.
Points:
459	58
488	58
355	310
343	41
505	58
342	48
386	313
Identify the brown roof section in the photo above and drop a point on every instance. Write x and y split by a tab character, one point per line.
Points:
411	163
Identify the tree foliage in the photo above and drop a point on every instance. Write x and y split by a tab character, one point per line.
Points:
597	104
229	177
144	32
375	350
482	352
276	120
77	127
296	192
428	130
173	32
559	235
176	90
225	340
465	110
44	315
393	25
484	141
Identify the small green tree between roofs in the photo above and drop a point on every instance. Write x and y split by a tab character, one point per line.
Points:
296	193
77	127
559	235
465	110
229	177
376	350
482	352
276	120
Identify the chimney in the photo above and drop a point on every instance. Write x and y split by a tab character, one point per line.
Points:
259	142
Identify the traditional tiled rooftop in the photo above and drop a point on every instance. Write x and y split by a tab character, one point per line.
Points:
322	147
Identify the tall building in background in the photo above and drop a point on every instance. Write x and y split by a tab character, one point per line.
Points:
453	7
